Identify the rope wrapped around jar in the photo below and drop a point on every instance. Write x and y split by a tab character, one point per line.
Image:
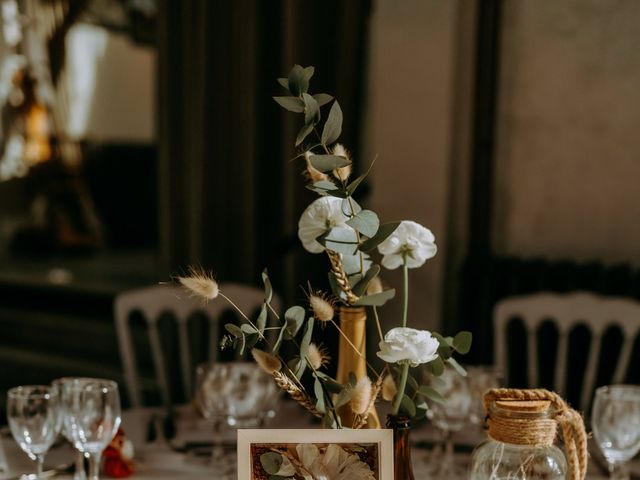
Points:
540	431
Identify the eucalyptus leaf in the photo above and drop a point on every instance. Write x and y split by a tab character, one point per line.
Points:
330	384
276	346
377	299
361	287
343	397
322	98
328	163
436	367
407	405
413	383
319	392
268	289
311	110
341	240
306	339
294	318
246	328
333	126
284	82
261	321
381	235
303	133
366	222
431	393
271	462
445	351
308	73
298	83
350	207
299	366
293	104
456	366
351	188
462	342
251	339
233	329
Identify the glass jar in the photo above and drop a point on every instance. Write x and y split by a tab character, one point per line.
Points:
520	445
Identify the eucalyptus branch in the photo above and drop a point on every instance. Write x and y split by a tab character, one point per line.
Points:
264	339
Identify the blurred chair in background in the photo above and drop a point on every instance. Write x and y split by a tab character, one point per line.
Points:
165	301
566	313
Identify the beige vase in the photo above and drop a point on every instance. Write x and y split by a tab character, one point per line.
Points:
353	322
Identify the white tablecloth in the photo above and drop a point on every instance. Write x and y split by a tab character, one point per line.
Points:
158	461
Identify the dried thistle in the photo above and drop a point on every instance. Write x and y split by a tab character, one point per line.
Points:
318	356
200	283
389	388
322	305
313	174
342	173
361	420
285	383
267	361
361	396
341	276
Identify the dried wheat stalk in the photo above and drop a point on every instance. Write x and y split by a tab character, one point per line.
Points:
296	393
341	276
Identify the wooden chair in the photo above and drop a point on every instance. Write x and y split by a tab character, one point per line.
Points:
567	311
154	301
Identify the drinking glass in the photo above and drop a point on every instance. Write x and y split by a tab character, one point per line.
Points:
236	395
480	379
615	419
79	473
212	387
449	417
91	409
34	420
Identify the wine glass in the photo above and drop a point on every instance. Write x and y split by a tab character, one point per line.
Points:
450	416
34	420
615	420
236	395
79	473
480	379
212	387
91	408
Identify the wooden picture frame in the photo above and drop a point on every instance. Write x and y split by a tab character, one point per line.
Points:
369	453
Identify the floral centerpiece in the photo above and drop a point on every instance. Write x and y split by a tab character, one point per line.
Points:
336	225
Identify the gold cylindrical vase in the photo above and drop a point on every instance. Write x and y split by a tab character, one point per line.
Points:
353	323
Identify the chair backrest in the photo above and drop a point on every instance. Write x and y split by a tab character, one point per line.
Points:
567	311
154	301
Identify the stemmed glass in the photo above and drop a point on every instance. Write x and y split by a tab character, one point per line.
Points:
615	420
449	417
480	379
33	414
79	473
91	410
236	395
212	388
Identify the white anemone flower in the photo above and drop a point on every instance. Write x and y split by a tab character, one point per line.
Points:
403	344
323	214
411	241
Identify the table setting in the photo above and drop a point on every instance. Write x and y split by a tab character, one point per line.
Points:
198	440
298	411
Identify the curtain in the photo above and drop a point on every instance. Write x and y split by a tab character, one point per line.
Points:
229	197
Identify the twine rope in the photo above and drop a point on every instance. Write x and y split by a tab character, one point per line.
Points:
541	431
